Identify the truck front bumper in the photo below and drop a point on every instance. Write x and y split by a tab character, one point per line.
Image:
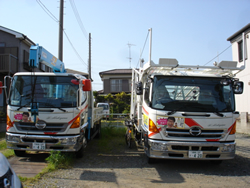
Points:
46	142
190	150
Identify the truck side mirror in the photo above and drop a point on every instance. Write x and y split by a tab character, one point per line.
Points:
86	85
1	86
139	89
238	87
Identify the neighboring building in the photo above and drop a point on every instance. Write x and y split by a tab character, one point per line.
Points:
14	57
116	80
243	100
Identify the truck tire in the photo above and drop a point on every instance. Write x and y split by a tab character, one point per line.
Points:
151	160
20	153
79	153
98	135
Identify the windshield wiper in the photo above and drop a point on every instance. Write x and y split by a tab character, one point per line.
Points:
22	106
177	109
219	114
51	105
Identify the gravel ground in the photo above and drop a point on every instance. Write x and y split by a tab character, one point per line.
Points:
125	167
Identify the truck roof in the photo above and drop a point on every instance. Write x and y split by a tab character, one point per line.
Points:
49	74
171	67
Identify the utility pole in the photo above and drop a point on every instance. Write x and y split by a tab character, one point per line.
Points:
129	45
60	44
90	56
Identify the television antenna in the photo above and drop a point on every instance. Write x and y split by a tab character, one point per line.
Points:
129	46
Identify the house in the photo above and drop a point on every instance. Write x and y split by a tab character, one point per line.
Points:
243	100
14	57
116	80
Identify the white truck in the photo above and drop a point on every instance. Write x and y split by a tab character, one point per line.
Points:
50	111
185	112
106	109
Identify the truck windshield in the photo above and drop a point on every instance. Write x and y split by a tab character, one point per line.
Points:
48	91
196	94
104	106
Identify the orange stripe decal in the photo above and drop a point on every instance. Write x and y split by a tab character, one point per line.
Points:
77	115
152	134
190	122
230	128
145	111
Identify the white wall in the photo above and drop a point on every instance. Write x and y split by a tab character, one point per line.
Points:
243	100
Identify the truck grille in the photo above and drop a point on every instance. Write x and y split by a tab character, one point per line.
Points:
209	134
50	127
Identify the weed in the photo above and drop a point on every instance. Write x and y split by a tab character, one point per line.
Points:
59	160
3	144
116	134
2	135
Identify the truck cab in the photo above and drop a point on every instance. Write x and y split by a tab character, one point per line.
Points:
106	109
185	112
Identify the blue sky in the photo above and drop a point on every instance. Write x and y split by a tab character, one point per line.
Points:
192	31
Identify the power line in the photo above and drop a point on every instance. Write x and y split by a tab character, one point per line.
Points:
78	18
55	19
218	55
47	11
75	49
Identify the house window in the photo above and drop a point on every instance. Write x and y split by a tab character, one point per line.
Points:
116	85
2	44
240	50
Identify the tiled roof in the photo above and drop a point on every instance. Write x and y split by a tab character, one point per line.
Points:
116	71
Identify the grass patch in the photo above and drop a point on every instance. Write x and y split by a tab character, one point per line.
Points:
8	153
3	144
2	135
58	160
3	147
111	137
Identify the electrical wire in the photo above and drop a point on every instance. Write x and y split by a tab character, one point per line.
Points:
47	10
74	49
56	20
72	3
143	49
217	55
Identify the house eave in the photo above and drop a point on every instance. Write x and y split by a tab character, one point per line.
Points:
238	33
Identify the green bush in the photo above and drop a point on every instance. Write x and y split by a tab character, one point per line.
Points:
119	103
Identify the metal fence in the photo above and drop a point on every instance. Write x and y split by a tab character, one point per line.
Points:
114	119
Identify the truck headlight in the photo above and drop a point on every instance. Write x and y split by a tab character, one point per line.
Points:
228	148
158	146
69	141
11	138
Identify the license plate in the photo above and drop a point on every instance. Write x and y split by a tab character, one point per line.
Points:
195	154
39	146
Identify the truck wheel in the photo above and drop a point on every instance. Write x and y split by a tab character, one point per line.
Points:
20	153
79	153
151	160
98	135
